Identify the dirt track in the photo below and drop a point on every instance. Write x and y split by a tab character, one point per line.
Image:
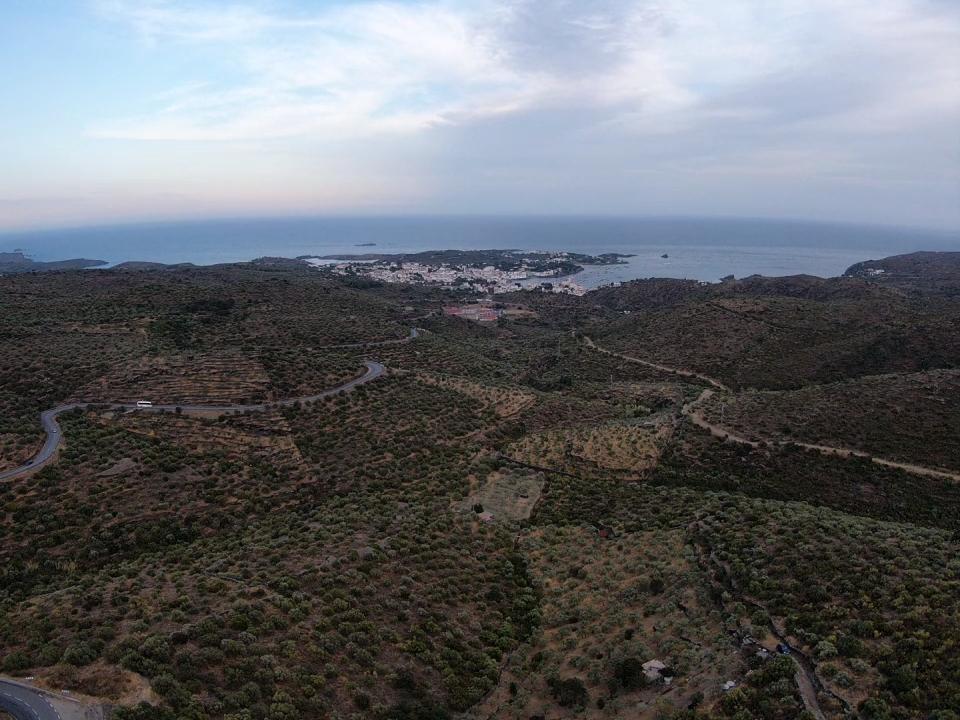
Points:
691	411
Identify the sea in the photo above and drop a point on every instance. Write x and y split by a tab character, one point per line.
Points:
695	248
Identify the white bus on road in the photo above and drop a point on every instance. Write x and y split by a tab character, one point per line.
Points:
144	404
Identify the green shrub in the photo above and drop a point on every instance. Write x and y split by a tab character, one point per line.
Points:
570	692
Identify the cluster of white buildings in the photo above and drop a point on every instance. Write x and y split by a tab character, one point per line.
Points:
568	287
486	279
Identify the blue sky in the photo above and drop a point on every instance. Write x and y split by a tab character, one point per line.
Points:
117	110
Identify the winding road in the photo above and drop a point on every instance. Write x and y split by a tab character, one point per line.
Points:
657	366
25	703
48	418
696	416
414	334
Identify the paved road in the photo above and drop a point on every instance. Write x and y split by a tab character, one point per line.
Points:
25	703
414	334
48	418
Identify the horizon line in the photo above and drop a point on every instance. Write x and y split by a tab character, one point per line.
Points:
254	219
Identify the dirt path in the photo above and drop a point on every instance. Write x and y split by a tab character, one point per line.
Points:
808	684
697	418
849	452
656	366
807	692
691	411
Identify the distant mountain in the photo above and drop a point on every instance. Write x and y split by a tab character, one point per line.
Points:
17	262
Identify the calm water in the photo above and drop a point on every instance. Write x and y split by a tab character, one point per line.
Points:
703	249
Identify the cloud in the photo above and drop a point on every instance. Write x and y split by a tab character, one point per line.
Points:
349	71
161	20
575	94
387	67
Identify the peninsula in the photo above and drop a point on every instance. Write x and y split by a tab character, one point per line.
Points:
18	262
496	271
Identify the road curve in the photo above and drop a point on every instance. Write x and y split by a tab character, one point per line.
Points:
48	418
414	334
696	416
25	703
657	366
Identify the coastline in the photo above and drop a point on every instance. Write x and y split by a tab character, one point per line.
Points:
698	248
704	264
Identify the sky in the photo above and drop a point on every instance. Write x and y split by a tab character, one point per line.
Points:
129	110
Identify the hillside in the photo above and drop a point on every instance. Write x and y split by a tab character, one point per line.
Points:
17	262
780	333
919	271
604	507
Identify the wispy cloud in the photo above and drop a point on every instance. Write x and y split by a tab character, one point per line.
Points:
347	71
826	108
385	67
161	20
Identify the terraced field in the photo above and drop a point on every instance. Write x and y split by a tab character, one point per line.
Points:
617	447
203	378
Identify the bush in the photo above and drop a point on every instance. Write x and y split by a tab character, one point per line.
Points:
629	674
79	654
825	650
409	710
16	661
570	692
143	711
875	709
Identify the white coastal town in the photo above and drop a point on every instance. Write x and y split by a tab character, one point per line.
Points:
486	279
